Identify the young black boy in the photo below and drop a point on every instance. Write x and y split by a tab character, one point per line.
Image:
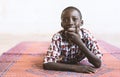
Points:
72	45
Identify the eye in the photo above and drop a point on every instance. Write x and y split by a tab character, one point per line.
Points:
65	20
75	19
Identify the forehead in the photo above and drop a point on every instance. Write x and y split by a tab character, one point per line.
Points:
70	12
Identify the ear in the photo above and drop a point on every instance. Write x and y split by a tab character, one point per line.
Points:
82	22
62	25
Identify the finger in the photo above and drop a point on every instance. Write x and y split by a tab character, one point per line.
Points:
71	30
71	33
87	71
91	69
76	30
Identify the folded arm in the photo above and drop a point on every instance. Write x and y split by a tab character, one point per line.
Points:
68	67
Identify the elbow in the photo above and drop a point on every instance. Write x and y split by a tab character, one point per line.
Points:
48	66
45	66
98	64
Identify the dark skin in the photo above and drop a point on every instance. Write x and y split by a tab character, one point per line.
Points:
71	23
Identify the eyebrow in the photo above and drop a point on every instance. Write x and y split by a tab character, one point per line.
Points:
68	17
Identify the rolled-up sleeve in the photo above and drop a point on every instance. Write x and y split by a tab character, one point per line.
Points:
93	47
53	50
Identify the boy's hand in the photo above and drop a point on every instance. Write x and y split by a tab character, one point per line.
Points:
73	35
84	69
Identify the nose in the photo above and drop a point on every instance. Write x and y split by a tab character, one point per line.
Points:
71	21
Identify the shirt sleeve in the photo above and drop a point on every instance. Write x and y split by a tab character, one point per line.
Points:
53	51
91	44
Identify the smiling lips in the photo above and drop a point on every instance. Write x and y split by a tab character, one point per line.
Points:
71	29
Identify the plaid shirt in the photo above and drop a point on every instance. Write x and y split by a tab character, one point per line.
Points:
63	50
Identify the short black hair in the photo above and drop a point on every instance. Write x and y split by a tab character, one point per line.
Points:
71	7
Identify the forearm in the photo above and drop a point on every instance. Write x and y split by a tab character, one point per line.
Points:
57	66
91	57
68	67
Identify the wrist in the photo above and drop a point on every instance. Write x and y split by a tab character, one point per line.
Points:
80	43
74	68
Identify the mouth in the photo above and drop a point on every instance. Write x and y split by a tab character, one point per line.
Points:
70	29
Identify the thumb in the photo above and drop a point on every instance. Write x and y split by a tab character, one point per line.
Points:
77	30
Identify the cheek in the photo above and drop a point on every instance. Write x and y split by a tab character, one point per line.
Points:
77	24
62	24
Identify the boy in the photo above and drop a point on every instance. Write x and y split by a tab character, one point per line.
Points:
72	45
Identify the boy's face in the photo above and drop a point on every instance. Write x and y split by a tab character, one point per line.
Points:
70	19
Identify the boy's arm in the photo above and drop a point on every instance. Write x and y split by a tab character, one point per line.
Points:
92	58
68	67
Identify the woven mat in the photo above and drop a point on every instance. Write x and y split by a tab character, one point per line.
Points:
26	58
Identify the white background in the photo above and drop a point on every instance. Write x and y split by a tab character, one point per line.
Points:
43	16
